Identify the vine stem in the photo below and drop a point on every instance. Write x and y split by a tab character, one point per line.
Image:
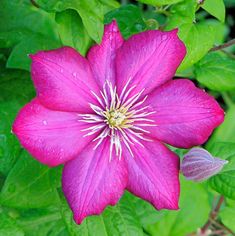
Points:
213	215
222	46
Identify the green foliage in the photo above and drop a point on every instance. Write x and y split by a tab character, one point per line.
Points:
227	215
225	133
121	219
91	12
71	30
216	71
31	198
16	90
30	184
8	226
216	8
194	210
129	18
159	2
224	182
24	32
197	36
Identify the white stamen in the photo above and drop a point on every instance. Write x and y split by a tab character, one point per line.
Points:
117	117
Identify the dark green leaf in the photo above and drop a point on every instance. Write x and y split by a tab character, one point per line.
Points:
129	18
9	227
30	184
16	90
21	19
42	222
19	56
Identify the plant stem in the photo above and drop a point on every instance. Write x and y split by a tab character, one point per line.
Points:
222	46
213	215
223	227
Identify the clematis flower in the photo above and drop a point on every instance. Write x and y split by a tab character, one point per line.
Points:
106	117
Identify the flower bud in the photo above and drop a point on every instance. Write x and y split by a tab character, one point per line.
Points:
198	165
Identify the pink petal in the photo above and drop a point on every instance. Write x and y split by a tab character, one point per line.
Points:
149	59
154	174
91	182
185	115
101	57
63	80
52	137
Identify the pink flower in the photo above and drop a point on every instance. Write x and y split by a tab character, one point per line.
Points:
106	116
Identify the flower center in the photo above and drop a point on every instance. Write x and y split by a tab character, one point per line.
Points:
122	118
116	118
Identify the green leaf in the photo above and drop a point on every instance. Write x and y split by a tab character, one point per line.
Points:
129	19
225	132
159	2
216	8
117	220
227	215
91	12
19	55
41	222
193	213
72	32
224	182
198	37
216	71
30	184
9	227
20	19
16	90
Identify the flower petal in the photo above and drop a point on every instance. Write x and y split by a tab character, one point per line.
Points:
52	137
154	174
148	60
101	57
185	116
91	182
63	80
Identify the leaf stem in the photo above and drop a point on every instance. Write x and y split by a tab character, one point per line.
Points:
213	215
221	226
222	46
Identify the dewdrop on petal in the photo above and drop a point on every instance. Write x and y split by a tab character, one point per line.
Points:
198	165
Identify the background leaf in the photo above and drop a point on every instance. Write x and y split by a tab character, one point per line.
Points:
159	2
91	12
198	37
129	19
216	8
194	210
224	182
71	30
216	71
30	184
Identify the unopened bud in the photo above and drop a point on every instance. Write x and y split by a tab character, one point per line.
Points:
198	165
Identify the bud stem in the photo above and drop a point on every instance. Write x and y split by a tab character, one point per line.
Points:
213	215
